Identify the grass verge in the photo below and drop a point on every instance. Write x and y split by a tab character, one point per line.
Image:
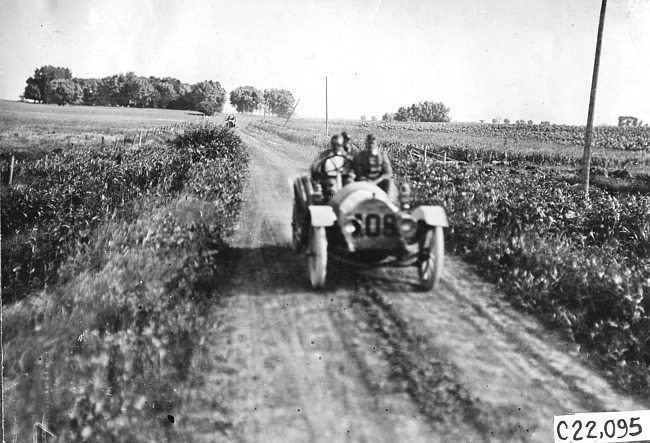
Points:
104	356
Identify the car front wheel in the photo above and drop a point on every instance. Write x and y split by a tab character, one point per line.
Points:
317	256
431	256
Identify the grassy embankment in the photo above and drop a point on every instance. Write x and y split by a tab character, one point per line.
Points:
581	265
103	353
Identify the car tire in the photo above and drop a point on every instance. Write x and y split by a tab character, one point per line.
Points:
431	257
317	256
299	225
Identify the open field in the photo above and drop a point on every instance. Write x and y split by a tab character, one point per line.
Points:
176	311
28	129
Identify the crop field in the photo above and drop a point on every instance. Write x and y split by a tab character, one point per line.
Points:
605	137
518	212
489	142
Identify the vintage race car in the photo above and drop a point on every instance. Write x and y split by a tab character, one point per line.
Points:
359	224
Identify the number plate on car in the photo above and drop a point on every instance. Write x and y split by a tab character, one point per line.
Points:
376	225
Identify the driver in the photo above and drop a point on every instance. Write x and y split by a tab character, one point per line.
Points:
340	161
333	163
372	165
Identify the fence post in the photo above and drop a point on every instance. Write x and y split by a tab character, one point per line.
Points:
11	170
424	156
102	142
140	141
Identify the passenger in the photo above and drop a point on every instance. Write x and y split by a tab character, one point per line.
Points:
348	145
372	165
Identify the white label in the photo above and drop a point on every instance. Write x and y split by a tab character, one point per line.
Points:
602	427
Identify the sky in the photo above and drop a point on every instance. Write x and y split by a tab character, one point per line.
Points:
516	59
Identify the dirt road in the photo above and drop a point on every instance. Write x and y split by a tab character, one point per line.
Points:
370	358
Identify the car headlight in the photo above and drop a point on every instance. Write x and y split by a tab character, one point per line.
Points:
352	227
407	227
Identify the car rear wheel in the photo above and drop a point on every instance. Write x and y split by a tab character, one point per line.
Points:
299	223
317	256
432	253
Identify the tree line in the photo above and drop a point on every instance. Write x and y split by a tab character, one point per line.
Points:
272	101
56	85
420	112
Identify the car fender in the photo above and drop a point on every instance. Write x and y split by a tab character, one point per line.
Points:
431	215
322	215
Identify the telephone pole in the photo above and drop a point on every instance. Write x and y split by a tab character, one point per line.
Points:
586	158
326	115
294	108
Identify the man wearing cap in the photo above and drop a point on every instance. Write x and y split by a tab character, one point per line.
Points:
347	144
339	161
372	165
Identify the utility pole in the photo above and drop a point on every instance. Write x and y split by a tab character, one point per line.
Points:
326	115
294	108
586	158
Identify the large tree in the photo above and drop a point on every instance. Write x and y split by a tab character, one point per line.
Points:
32	92
41	79
63	91
183	96
89	89
108	91
245	98
208	97
137	91
166	90
279	102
